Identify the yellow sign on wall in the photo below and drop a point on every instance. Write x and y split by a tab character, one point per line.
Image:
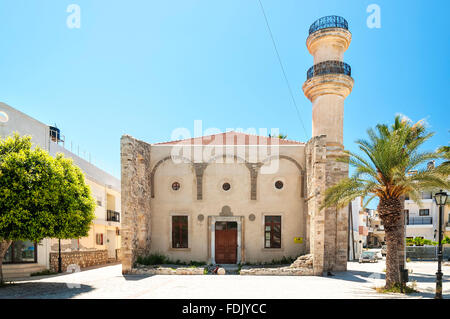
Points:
298	240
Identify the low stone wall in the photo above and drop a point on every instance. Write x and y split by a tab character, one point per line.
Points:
81	258
167	270
276	271
303	266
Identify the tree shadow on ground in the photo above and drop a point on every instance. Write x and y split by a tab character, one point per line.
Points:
355	275
42	290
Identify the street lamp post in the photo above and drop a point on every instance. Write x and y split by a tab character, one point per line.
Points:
441	199
59	257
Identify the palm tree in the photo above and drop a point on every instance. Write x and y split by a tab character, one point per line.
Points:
383	171
445	166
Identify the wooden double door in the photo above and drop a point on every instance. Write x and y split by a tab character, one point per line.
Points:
226	242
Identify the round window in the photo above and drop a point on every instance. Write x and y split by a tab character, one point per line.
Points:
279	184
176	186
226	186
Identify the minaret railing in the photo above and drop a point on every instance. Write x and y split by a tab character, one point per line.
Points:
329	67
328	22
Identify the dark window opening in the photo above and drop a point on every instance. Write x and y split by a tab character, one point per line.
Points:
279	184
99	239
176	186
272	232
424	212
179	232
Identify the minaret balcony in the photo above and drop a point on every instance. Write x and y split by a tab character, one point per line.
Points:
328	22
329	67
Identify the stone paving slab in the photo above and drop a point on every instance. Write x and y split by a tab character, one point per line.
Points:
108	282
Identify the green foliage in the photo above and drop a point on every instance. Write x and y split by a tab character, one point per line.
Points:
153	259
409	242
283	261
419	241
444	168
398	289
280	136
446	240
382	169
75	207
45	272
160	259
41	196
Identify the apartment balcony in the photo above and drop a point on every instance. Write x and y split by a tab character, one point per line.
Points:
329	67
328	22
421	220
112	216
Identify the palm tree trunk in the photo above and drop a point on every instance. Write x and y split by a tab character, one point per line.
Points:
4	245
391	213
394	255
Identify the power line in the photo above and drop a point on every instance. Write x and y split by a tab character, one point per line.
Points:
282	68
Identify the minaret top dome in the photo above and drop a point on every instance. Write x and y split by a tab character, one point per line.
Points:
328	22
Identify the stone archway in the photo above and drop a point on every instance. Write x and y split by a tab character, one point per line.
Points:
153	171
299	167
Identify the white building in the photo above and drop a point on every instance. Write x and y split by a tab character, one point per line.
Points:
105	231
422	221
358	229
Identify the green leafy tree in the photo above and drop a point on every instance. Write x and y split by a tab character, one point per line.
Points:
383	171
41	197
280	136
74	209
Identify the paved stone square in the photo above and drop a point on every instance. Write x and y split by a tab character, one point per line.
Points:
108	282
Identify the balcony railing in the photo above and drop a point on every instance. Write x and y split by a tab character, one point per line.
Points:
328	22
112	216
329	67
420	220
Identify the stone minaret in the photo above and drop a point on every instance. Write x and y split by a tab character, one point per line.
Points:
328	83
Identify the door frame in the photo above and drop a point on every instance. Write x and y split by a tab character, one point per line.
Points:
215	219
111	243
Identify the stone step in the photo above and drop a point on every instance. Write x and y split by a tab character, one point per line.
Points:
21	266
21	270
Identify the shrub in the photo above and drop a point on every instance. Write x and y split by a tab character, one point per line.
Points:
160	259
45	272
153	259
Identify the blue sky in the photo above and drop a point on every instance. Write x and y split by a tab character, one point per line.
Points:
147	67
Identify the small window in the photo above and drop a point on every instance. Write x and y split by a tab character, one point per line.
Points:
272	232
427	195
99	203
179	232
226	187
99	239
279	184
424	212
176	186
